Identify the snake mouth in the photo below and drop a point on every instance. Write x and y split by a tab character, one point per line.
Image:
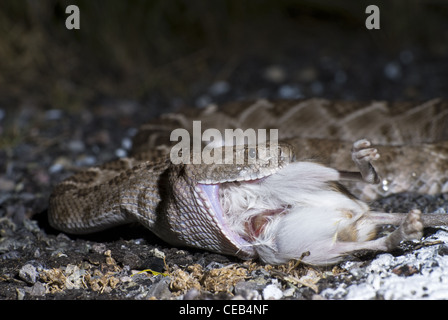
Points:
233	206
238	244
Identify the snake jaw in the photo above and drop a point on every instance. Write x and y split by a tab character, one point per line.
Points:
209	194
252	228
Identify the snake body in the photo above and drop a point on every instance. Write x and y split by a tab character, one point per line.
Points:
181	203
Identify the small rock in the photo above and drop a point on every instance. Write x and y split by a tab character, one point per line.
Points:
76	146
392	71
219	88
203	101
85	160
59	164
214	265
126	143
128	106
272	292
36	253
20	293
99	248
308	74
157	253
134	261
289	292
274	74
132	132
53	114
38	289
161	289
248	290
289	92
74	277
260	277
102	137
120	153
29	273
31	225
41	177
192	294
6	185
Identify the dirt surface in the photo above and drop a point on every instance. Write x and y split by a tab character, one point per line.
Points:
54	123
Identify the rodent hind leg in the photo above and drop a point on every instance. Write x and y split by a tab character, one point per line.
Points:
362	155
411	228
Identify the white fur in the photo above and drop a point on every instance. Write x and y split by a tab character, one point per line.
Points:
313	213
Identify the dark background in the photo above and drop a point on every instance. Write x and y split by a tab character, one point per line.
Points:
171	52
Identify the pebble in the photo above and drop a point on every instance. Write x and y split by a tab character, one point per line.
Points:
20	293
37	253
192	294
76	146
29	273
272	292
289	292
127	106
290	92
308	74
6	185
59	164
275	74
99	248
248	290
126	143
392	70
132	131
160	289
74	277
85	161
157	253
203	101
120	153
53	114
219	88
38	289
214	265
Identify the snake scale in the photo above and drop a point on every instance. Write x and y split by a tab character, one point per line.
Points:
303	199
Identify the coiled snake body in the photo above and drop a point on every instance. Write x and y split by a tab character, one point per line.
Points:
274	210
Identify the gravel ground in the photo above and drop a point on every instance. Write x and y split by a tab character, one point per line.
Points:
38	262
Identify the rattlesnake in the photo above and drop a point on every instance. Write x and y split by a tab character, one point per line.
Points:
288	203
